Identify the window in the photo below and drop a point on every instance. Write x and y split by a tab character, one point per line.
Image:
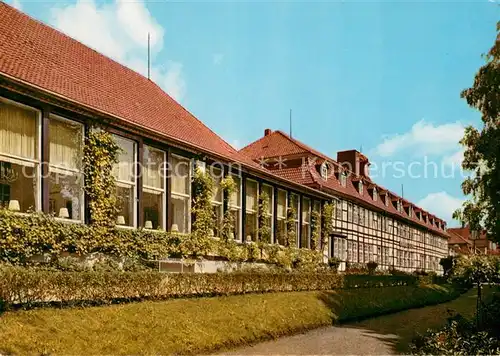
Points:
324	171
66	180
294	204
20	156
305	235
251	222
267	190
217	200
317	209
180	175
281	216
154	188
338	210
355	215
375	194
235	207
343	179
124	173
349	212
361	187
375	221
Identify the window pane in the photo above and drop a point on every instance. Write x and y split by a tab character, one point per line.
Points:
65	144
269	192
236	196
217	176
18	131
179	170
19	185
281	232
180	214
251	195
281	204
251	226
218	215
125	205
125	169
153	164
153	210
237	223
66	195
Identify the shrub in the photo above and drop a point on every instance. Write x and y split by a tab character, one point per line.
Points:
29	286
372	266
334	263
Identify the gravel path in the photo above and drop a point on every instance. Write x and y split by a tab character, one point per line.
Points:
326	341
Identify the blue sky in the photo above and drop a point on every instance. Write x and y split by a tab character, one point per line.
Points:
384	76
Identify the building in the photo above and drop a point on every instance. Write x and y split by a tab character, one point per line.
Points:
464	241
372	223
53	90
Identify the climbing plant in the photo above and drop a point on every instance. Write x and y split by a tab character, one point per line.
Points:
291	225
202	213
228	186
327	216
264	218
100	154
315	229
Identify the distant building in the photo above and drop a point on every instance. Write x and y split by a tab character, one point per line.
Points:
371	222
463	241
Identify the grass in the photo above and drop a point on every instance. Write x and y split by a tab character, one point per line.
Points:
407	324
191	326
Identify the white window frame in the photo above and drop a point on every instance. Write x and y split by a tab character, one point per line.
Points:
307	222
218	204
297	218
153	190
68	170
251	211
36	163
324	171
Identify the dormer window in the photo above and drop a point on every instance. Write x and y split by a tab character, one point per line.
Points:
360	187
375	194
410	212
386	200
343	179
324	171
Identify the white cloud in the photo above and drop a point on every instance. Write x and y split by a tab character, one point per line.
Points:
120	31
454	160
442	205
17	4
236	144
423	139
217	58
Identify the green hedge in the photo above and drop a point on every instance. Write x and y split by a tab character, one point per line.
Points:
27	286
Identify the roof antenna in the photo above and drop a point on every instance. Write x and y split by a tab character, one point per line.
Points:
149	56
290	123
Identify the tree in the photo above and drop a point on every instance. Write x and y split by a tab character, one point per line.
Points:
482	150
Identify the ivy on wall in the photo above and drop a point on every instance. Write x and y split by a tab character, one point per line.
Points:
202	213
315	229
291	226
228	187
327	227
100	154
265	225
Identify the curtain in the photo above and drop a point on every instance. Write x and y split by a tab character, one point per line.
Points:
153	163
18	131
65	144
236	196
251	196
281	204
179	171
125	168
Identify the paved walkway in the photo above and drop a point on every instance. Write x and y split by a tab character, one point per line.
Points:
326	341
385	335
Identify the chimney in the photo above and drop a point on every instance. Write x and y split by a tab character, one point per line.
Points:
267	132
354	161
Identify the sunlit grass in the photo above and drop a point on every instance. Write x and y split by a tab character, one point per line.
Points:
190	326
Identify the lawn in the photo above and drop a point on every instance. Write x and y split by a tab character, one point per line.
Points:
187	326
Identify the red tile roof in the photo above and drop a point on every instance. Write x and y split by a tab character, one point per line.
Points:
280	144
39	55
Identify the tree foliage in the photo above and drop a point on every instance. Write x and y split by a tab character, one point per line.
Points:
482	149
